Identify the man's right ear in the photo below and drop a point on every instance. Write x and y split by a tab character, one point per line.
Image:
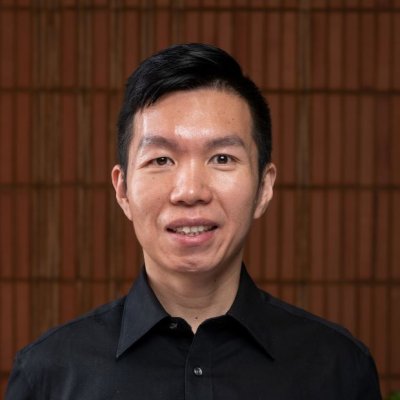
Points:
118	181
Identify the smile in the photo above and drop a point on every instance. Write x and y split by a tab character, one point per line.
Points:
192	230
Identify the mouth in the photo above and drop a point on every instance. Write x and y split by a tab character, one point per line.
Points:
192	230
191	227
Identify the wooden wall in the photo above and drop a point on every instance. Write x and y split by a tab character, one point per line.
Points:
331	71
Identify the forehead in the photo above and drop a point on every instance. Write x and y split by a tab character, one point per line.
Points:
195	115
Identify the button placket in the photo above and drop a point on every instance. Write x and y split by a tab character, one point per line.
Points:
198	381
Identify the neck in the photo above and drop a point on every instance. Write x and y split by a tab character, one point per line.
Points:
195	297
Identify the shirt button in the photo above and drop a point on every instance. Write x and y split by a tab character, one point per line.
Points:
198	371
173	325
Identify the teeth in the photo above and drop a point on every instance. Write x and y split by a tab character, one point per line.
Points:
192	230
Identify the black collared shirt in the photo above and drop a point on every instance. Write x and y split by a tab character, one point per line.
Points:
132	349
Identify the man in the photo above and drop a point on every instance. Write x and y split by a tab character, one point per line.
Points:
194	171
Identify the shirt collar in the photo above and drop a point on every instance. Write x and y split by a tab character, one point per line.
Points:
142	311
251	311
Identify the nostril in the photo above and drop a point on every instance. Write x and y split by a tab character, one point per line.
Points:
191	192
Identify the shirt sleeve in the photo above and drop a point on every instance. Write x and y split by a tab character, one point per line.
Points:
18	385
369	382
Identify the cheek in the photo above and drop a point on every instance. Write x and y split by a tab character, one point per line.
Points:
146	195
239	197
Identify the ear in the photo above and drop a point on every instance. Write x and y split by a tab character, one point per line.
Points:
265	190
118	181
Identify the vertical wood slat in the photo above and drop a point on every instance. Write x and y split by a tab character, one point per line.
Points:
330	71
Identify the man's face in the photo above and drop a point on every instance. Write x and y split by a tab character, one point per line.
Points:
192	187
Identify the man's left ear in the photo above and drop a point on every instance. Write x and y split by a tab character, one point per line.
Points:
265	190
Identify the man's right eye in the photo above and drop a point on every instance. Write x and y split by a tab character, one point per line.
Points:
162	161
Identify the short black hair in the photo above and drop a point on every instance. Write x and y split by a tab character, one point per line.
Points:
187	67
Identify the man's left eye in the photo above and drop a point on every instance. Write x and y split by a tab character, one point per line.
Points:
222	159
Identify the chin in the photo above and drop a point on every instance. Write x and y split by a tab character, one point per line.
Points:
193	266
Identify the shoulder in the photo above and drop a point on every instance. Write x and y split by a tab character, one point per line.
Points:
66	353
83	331
324	351
310	330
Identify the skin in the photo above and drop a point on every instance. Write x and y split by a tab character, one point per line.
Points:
193	162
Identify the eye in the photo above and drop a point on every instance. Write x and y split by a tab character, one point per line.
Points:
162	161
222	159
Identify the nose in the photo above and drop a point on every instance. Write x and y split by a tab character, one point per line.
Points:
191	186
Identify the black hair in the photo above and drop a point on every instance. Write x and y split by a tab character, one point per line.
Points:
187	67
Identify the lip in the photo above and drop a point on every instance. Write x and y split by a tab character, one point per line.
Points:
177	223
192	241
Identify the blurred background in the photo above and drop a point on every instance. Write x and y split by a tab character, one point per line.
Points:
330	241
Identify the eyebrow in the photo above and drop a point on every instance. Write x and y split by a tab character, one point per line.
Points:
161	141
225	141
157	141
